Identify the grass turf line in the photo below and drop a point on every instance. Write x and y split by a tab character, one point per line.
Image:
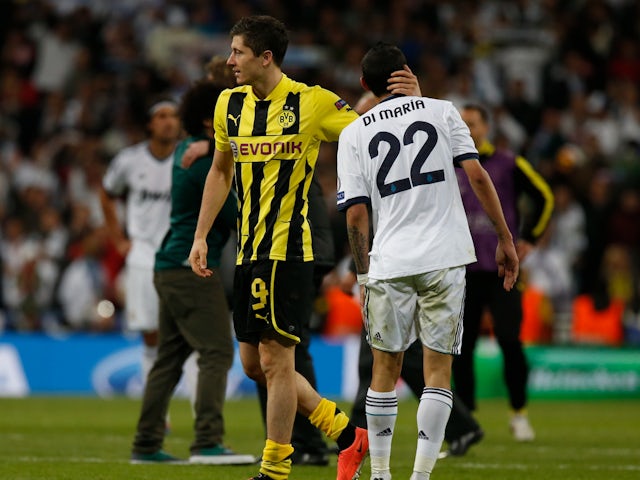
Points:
75	438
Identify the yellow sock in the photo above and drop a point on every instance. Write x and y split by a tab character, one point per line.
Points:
275	460
325	418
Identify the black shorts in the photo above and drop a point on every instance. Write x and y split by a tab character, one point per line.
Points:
272	295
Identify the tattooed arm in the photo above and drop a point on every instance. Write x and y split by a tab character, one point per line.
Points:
358	231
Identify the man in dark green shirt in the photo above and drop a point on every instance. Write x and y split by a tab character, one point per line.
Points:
186	195
194	315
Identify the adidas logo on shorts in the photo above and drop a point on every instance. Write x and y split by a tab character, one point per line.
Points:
384	433
377	337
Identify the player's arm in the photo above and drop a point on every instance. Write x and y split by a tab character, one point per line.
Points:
466	156
110	213
353	198
506	256
358	233
196	150
216	190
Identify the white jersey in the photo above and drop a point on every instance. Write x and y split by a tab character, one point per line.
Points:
147	184
400	158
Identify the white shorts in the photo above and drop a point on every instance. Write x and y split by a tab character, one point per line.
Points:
428	306
141	300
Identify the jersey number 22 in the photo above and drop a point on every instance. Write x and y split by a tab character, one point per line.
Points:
417	177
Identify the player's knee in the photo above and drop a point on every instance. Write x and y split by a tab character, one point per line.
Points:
273	365
255	373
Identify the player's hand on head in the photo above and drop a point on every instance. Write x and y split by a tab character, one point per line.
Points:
198	258
404	82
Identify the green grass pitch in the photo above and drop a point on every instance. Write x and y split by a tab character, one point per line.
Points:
62	438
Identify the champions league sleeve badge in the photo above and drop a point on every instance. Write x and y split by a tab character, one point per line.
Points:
234	149
340	104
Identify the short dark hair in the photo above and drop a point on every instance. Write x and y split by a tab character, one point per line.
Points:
262	33
198	105
378	63
476	107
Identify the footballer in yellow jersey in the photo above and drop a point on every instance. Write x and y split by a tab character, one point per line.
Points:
275	143
268	132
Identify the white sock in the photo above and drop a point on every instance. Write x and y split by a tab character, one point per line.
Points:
149	355
419	476
190	374
382	410
433	413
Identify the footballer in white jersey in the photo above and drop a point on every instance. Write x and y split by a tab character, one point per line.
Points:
146	181
142	174
400	158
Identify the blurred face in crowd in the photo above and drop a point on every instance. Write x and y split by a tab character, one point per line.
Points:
477	126
247	66
164	125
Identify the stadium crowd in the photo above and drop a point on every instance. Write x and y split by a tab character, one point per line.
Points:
561	79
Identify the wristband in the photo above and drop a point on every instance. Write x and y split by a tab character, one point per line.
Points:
363	278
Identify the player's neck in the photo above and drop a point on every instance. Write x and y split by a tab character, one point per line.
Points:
161	150
264	86
389	96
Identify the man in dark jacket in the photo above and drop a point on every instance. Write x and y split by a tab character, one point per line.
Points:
512	176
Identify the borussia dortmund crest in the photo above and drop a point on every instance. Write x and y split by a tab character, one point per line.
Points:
287	118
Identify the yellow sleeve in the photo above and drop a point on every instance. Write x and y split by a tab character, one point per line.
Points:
220	122
333	114
536	187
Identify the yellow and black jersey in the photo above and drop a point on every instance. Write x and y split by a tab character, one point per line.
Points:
275	145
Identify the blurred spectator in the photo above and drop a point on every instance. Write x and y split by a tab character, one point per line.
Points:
85	294
53	234
568	236
57	50
624	221
598	207
546	141
523	110
18	51
342	313
28	278
549	291
75	76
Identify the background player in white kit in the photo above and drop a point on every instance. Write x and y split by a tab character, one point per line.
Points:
399	158
142	172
